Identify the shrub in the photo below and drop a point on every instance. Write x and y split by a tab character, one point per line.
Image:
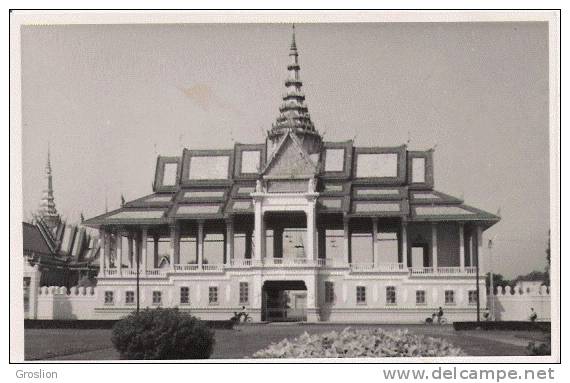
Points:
351	343
539	348
162	334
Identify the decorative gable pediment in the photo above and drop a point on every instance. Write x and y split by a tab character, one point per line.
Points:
290	160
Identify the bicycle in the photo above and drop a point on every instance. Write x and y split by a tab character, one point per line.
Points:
433	320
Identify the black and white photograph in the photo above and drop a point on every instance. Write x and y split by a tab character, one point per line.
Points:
286	187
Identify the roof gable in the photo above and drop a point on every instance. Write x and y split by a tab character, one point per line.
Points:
290	160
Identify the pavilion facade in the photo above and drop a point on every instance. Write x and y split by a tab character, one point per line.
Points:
294	228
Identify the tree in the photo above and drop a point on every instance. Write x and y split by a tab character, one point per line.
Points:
498	281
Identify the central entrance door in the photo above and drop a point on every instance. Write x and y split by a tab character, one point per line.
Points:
284	301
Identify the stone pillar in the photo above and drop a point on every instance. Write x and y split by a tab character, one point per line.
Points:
311	231
34	287
346	240
229	240
312	310
119	253
177	243
480	262
102	251
322	242
278	242
404	242
107	250
259	232
130	249
156	260
434	246
200	244
144	240
461	246
471	249
248	240
172	246
375	249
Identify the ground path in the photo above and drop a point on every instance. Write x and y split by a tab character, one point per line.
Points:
244	340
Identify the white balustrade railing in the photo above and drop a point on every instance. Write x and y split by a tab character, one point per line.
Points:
453	270
111	272
362	266
390	266
213	267
186	267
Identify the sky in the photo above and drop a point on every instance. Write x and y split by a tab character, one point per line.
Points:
109	98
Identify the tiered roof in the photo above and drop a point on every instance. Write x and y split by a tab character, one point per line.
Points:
352	181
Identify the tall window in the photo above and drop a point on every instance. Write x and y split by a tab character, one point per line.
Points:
361	294
109	298
420	297
449	297
213	295
472	297
156	297
184	295
129	297
329	292
243	293
390	295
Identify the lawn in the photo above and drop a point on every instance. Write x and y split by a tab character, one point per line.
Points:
243	341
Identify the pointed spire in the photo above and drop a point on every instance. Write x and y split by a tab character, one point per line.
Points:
293	43
293	113
47	210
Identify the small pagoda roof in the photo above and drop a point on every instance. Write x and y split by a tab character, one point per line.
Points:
34	241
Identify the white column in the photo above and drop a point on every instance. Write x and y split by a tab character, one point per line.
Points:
155	261
471	249
172	246
107	250
102	251
229	241
259	232
200	244
311	231
461	246
177	243
144	240
434	246
346	240
119	253
130	249
375	249
480	262
404	240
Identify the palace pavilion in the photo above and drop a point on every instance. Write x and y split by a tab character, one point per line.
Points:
294	228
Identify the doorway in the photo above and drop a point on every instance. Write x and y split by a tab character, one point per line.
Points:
284	301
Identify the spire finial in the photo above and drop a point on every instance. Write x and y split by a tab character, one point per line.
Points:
293	43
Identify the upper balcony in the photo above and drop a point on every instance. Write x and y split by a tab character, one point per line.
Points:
294	263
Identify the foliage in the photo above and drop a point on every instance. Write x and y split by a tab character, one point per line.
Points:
498	281
162	334
85	281
351	343
539	348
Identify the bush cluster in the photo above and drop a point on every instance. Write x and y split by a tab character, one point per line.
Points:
162	334
351	343
540	348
